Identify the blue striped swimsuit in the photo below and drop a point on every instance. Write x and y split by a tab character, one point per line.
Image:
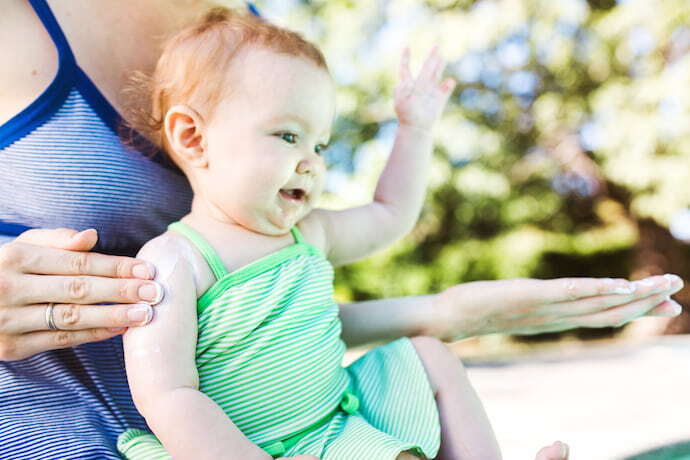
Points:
63	166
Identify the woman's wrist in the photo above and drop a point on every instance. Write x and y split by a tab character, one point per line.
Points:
453	315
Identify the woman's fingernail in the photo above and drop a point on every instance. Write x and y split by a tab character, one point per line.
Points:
672	279
76	236
144	271
151	292
676	309
140	314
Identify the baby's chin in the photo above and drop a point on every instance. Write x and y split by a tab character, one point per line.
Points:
273	226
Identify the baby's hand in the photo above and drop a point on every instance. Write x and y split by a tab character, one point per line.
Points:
419	103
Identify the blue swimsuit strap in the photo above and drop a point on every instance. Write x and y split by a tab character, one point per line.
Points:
69	73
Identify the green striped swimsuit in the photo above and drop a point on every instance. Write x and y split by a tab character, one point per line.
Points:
269	354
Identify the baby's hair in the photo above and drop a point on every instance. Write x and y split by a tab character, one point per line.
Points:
193	66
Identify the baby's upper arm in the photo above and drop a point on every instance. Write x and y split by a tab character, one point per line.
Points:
161	355
350	234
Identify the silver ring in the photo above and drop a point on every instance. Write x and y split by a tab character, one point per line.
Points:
49	317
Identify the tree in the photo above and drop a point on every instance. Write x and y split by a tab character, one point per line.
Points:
564	152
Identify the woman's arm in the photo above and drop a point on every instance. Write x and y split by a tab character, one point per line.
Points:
161	368
519	306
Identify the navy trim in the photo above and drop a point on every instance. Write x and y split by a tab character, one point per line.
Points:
107	113
69	75
51	99
253	9
11	229
95	98
40	110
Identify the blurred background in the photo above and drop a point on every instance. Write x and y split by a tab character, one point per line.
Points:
565	151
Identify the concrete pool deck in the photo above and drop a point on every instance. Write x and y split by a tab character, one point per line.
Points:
606	401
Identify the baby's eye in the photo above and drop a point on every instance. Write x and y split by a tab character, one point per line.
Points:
319	149
290	138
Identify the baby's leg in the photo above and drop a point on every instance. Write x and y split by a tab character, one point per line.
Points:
465	429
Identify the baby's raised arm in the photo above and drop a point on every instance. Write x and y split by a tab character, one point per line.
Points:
160	361
354	233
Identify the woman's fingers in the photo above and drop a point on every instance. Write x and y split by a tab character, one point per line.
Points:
27	258
74	317
33	289
569	289
566	289
36	342
643	289
618	316
54	265
668	307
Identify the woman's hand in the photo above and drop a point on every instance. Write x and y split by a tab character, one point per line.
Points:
54	265
529	306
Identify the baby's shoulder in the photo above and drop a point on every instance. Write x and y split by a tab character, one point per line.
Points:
312	231
169	249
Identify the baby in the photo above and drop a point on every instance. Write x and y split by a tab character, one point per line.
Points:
243	358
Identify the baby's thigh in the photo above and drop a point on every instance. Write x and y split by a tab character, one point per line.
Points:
441	364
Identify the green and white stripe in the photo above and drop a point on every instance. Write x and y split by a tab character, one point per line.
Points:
269	354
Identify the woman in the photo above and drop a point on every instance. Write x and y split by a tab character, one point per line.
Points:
63	393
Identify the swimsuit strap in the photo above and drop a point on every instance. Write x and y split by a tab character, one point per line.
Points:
45	14
210	255
297	235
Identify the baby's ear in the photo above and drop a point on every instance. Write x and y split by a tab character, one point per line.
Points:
184	130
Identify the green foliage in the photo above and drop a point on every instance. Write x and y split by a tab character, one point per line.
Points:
570	124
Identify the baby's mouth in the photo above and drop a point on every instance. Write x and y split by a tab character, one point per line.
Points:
294	194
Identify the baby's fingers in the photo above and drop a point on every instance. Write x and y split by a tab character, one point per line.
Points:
405	73
448	85
432	68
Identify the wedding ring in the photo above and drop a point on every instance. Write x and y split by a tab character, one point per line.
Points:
50	322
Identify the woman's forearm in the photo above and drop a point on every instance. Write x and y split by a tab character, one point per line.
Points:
517	306
388	319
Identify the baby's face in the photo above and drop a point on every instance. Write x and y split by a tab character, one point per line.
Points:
265	168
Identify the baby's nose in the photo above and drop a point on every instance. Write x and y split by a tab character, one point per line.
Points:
305	167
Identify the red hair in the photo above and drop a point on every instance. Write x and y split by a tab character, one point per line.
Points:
194	64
